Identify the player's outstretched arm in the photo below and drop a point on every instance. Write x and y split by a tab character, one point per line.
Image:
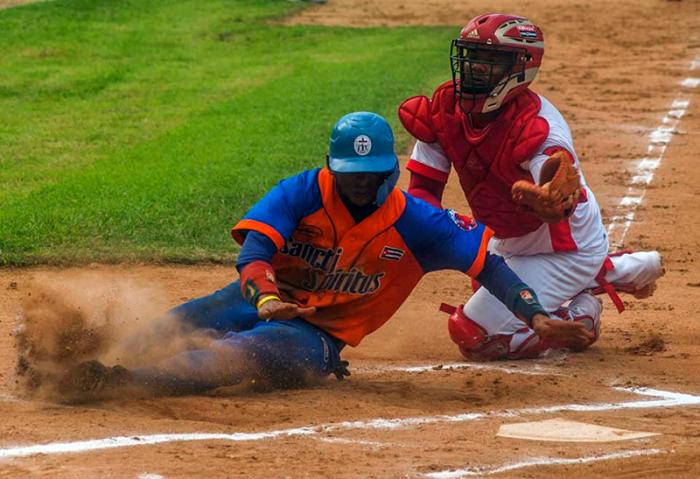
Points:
574	335
521	300
453	237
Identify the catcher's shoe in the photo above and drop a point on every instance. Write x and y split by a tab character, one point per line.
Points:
94	378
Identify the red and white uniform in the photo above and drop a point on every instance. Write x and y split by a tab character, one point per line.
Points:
494	59
583	231
558	260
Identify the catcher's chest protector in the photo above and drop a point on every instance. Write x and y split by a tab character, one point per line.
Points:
487	161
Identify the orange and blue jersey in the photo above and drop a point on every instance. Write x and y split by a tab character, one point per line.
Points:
357	275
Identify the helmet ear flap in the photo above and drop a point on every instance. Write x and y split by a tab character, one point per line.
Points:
387	186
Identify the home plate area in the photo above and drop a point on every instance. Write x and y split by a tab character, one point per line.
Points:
568	431
474	442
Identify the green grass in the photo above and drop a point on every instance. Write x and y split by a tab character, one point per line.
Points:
142	130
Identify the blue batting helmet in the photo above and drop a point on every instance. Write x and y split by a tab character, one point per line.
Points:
362	142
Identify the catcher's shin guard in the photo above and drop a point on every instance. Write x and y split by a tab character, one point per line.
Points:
464	332
475	344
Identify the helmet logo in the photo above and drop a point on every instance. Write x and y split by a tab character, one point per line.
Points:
527	31
362	145
473	34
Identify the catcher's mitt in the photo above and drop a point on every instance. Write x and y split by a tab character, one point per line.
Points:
557	194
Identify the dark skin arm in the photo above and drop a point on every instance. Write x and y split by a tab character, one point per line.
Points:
573	334
276	309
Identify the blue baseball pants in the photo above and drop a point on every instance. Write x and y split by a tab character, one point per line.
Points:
285	353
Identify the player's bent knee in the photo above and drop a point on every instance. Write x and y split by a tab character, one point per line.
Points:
287	354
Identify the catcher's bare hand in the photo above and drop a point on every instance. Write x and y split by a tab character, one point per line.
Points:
280	310
574	335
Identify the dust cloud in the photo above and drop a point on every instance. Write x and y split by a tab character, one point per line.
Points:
72	319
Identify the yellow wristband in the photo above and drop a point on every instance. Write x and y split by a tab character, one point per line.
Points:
266	298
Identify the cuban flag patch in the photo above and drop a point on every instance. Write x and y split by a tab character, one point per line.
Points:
392	254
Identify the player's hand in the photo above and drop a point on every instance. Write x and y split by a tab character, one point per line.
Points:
342	370
573	335
280	310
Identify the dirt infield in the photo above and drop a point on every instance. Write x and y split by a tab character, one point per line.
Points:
626	75
14	3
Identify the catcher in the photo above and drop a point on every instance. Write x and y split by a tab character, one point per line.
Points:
327	257
516	163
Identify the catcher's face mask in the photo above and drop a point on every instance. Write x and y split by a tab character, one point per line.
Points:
480	70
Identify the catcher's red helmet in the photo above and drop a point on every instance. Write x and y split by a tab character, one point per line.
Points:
495	57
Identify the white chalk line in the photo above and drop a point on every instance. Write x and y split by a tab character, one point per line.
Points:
659	139
664	399
358	442
695	63
535	370
540	461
